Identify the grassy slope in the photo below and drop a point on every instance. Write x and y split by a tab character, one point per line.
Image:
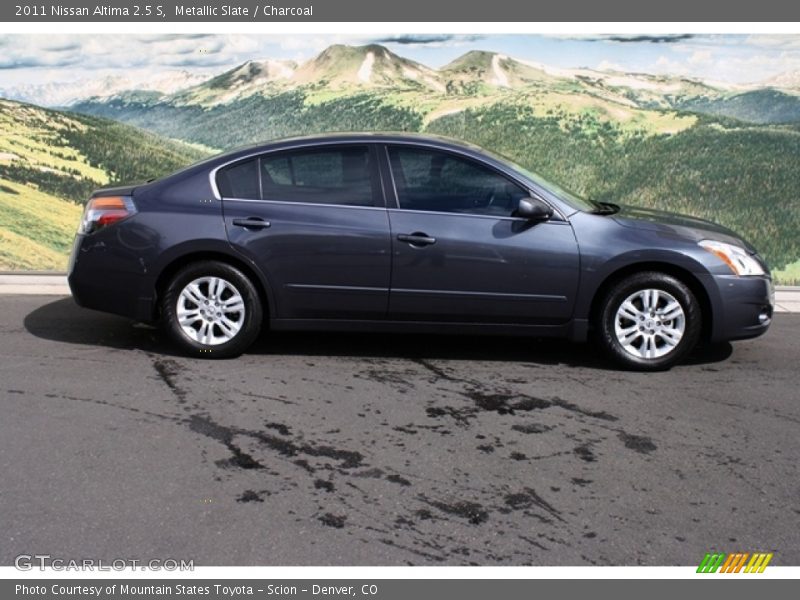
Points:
26	210
49	163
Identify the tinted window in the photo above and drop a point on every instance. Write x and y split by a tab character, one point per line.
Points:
325	176
239	180
439	181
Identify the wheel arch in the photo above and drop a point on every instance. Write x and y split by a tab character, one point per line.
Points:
176	263
682	274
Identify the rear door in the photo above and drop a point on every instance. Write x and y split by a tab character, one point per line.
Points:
313	219
460	254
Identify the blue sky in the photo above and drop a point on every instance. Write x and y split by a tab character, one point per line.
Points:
727	58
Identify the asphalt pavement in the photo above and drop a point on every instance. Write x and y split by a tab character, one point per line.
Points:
333	449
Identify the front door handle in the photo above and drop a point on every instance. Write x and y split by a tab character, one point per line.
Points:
416	239
252	223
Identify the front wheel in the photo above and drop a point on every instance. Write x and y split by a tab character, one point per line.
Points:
211	309
649	321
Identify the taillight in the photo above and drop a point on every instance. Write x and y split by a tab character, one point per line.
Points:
105	210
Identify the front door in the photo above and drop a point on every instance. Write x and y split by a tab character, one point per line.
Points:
460	254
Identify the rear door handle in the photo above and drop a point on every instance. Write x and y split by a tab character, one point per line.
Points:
252	223
416	239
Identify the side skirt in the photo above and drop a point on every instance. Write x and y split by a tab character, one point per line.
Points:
566	330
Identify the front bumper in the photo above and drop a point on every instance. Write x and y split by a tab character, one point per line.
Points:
746	305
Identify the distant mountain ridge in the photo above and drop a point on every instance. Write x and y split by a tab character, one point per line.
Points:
61	93
373	67
494	69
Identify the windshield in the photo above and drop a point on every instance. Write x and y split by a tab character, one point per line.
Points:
566	195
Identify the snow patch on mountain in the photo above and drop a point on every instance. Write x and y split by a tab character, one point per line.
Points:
500	77
365	70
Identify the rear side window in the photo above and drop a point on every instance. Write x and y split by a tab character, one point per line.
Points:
341	175
432	180
239	180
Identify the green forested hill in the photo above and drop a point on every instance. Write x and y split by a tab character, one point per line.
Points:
257	118
50	161
756	106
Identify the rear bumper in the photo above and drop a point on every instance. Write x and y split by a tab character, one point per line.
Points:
746	307
103	279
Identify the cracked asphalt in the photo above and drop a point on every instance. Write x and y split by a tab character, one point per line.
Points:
332	449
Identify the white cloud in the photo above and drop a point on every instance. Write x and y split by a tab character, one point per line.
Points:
665	65
773	41
701	57
312	43
121	52
606	65
733	58
734	68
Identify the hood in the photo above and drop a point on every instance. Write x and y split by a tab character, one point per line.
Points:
686	226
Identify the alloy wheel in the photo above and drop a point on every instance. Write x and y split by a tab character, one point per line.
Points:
650	323
210	310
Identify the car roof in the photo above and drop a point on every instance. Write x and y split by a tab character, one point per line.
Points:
211	163
347	137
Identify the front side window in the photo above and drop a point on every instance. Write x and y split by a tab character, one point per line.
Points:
431	180
339	175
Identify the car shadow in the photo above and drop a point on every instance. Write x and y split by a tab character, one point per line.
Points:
66	322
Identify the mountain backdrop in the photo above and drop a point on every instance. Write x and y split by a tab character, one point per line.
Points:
730	154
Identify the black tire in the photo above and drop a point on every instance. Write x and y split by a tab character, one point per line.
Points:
250	322
624	289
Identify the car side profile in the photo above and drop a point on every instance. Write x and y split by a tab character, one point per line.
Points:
394	232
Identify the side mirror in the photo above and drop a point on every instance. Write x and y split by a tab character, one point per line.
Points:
534	209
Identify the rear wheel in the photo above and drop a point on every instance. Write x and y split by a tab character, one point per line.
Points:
211	309
649	321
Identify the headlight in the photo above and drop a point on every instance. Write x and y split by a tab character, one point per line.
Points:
735	257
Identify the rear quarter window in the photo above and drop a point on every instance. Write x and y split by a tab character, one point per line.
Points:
239	180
